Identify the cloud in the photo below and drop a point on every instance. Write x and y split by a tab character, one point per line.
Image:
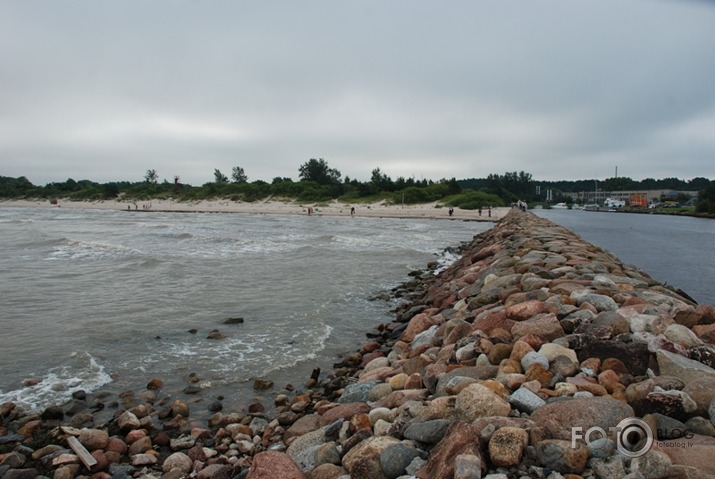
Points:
563	89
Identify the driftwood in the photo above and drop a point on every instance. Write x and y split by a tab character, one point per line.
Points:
87	459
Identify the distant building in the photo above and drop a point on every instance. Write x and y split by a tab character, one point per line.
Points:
640	197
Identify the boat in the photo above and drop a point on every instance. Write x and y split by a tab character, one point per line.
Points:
591	207
560	206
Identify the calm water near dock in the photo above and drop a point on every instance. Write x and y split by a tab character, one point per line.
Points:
676	250
105	299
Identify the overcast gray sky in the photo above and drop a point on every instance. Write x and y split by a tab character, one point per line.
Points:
562	89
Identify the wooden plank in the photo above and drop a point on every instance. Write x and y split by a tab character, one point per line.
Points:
87	459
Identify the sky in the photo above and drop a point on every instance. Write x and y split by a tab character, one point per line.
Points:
561	89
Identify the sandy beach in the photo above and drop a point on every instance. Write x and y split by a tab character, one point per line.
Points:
335	208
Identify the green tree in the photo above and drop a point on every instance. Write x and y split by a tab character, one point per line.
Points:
319	172
706	200
381	181
151	176
219	177
239	175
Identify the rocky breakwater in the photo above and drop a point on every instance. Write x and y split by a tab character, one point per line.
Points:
536	354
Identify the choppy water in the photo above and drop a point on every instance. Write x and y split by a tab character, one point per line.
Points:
676	250
105	299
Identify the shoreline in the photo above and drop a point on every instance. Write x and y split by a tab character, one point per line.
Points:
487	367
334	208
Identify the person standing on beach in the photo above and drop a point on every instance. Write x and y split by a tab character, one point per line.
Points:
352	211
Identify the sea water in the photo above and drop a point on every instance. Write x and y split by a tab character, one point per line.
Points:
675	250
97	299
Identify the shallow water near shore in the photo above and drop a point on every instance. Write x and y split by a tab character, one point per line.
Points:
105	299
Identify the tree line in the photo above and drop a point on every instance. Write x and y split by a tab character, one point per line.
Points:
319	182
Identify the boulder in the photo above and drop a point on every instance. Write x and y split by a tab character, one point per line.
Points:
476	401
274	464
525	400
507	445
557	418
343	411
178	461
363	460
93	438
428	432
525	310
545	325
461	439
395	459
558	455
671	364
635	355
696	451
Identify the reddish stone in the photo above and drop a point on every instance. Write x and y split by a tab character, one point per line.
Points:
614	365
415	365
370	356
304	425
545	325
360	421
155	384
610	380
379	374
327	471
533	340
537	372
556	419
459	331
343	411
116	445
102	461
460	438
140	446
525	310
584	384
492	321
486	252
398	398
414	382
519	350
134	436
707	312
702	329
633	301
274	465
371	346
500	335
697	452
418	324
419	350
221	471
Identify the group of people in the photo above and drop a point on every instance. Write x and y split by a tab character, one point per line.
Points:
521	204
310	210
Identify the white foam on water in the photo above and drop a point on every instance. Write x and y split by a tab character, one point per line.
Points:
57	385
71	249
